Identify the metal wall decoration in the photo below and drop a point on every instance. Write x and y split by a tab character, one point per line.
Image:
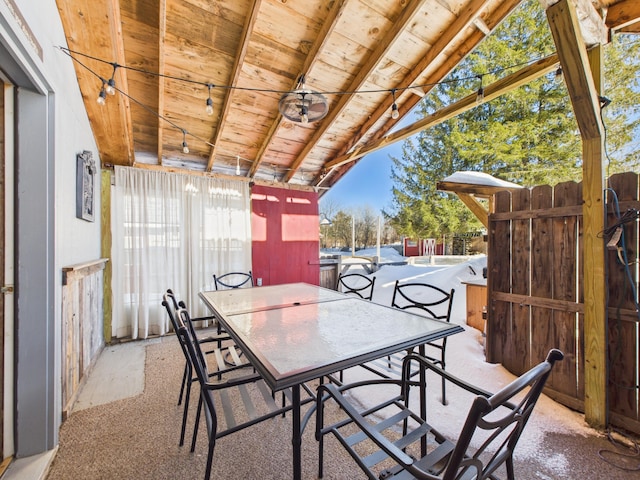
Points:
85	171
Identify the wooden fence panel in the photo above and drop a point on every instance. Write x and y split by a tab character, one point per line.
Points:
536	295
564	261
623	334
520	346
541	280
498	280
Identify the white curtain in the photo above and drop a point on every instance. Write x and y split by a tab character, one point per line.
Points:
172	231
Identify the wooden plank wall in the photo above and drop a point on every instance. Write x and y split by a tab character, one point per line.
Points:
536	297
82	325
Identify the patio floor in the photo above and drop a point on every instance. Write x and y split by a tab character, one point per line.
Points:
134	433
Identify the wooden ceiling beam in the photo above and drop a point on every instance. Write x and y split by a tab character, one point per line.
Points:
162	32
494	90
319	44
624	16
466	19
96	27
574	59
592	27
407	16
233	80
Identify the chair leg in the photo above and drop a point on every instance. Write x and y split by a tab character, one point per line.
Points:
185	377
320	456
185	413
195	425
212	444
510	473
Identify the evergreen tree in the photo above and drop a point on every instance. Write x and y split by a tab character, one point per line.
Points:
528	136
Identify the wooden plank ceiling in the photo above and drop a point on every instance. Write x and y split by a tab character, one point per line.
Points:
167	57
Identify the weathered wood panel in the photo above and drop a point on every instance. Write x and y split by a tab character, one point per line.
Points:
498	281
521	266
82	325
541	281
537	288
564	263
623	335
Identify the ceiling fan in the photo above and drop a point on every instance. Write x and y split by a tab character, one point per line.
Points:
303	105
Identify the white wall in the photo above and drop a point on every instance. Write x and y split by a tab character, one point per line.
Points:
36	32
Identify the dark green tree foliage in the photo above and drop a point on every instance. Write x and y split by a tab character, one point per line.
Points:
528	136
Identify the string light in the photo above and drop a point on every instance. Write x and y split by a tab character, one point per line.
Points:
209	108
111	84
355	92
558	76
102	96
480	96
394	108
185	147
108	87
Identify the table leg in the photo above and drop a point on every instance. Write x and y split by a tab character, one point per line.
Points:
296	438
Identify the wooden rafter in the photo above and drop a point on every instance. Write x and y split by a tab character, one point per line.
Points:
383	47
624	16
235	75
465	20
111	122
494	90
328	26
162	30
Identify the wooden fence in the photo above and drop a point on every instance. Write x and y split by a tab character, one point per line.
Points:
535	292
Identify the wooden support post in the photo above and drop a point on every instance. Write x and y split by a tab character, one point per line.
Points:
582	73
105	251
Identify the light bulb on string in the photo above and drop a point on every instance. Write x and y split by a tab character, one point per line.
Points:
111	84
480	94
237	164
209	108
185	147
394	108
102	96
558	76
111	87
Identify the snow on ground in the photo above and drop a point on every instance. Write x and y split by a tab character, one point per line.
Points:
465	359
444	276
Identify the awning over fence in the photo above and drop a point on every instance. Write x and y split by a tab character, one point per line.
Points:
472	185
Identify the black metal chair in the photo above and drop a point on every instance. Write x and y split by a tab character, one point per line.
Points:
409	443
233	280
356	284
420	298
227	357
258	402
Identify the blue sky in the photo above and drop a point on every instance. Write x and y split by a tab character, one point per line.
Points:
368	183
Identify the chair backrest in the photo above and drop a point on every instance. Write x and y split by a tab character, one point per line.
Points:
356	284
495	423
422	296
199	364
233	280
170	303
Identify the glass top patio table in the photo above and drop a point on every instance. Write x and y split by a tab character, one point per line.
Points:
242	300
295	333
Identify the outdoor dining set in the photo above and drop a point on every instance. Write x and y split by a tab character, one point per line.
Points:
283	349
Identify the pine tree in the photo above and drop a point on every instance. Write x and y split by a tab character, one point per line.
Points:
528	136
